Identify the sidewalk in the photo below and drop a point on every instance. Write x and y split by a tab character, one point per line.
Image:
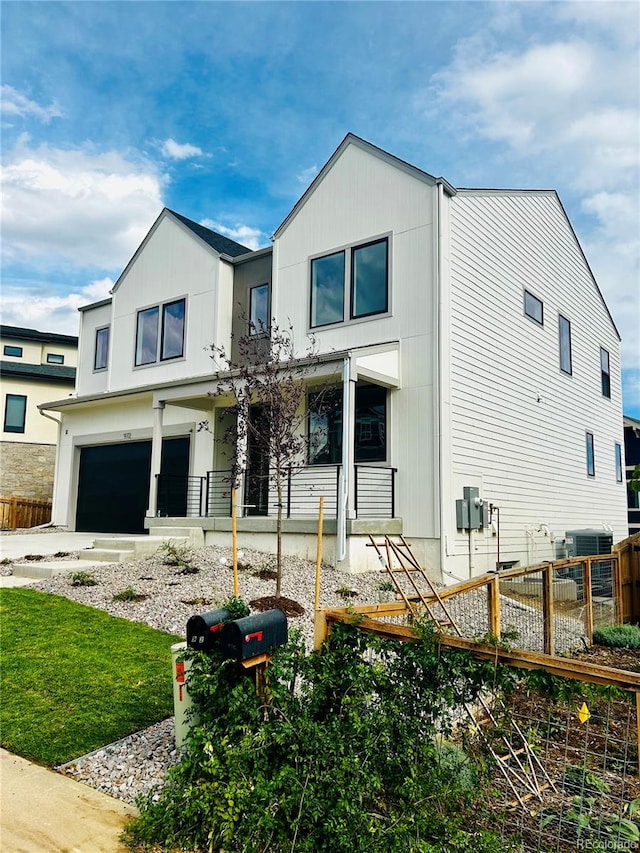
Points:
45	812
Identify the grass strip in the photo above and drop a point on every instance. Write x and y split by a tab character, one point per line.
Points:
74	678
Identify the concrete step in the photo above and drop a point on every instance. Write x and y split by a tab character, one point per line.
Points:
107	555
47	569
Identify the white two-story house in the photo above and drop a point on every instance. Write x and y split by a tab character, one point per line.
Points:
476	368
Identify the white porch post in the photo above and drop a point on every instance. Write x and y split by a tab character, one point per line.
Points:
156	456
345	497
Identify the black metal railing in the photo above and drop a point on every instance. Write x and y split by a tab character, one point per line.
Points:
210	496
374	492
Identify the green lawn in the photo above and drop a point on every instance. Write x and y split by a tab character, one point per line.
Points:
74	678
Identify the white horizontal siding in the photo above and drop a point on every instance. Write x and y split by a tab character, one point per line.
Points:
516	419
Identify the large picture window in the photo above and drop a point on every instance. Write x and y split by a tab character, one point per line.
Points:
167	342
102	349
354	280
325	426
15	411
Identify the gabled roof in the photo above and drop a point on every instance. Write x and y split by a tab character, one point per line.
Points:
16	333
221	244
352	139
50	372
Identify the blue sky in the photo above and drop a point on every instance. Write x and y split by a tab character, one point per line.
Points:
224	111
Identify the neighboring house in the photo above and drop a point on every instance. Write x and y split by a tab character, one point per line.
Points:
631	459
35	367
471	350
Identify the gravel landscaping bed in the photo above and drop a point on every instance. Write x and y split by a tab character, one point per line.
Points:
169	595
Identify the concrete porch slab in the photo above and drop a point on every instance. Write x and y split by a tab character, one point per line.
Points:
43	570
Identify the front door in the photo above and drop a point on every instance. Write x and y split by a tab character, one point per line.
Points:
256	492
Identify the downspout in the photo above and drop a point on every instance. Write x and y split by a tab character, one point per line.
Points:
343	496
440	384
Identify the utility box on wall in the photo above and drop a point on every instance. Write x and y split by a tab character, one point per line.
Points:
471	511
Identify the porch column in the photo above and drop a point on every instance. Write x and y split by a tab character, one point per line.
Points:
156	456
345	497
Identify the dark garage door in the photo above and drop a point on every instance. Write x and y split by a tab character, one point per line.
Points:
113	483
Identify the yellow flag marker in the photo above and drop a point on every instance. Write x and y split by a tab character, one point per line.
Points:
583	713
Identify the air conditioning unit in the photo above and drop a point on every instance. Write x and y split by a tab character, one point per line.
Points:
589	543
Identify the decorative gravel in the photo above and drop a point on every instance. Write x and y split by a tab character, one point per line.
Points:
139	763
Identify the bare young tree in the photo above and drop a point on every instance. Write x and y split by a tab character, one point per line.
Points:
266	381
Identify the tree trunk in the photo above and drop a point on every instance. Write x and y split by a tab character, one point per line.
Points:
279	535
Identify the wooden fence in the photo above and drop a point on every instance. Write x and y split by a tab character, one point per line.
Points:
628	555
23	512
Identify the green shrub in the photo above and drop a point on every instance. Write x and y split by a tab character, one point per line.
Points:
618	636
82	579
129	594
176	554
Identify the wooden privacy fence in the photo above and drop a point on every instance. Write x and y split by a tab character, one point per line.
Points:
23	512
627	553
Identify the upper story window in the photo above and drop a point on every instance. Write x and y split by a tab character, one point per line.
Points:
352	282
160	332
55	358
15	410
564	340
325	426
605	373
533	307
618	463
16	352
102	349
591	458
259	309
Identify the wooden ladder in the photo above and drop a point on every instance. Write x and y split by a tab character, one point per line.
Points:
519	764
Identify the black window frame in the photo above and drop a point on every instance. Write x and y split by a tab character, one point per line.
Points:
97	349
17	353
537	301
591	455
15	429
160	331
332	398
565	324
605	375
349	284
256	325
55	358
619	466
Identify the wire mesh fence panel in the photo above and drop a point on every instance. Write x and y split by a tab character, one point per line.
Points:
470	612
603	593
589	751
522	612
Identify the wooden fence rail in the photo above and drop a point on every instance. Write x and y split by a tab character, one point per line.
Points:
23	512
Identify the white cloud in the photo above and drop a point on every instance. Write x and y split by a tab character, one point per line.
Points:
14	103
252	238
90	208
176	151
52	313
307	175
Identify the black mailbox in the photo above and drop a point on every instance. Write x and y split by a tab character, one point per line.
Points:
254	635
204	631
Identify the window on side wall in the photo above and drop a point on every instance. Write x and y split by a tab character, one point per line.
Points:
15	352
533	307
351	283
325	426
259	309
15	411
160	332
618	463
605	373
564	339
55	358
591	459
102	349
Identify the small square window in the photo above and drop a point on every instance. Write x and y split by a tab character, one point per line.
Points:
591	459
15	352
102	349
533	307
259	309
618	463
564	339
15	410
605	373
55	358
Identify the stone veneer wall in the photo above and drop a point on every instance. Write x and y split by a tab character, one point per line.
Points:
26	470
